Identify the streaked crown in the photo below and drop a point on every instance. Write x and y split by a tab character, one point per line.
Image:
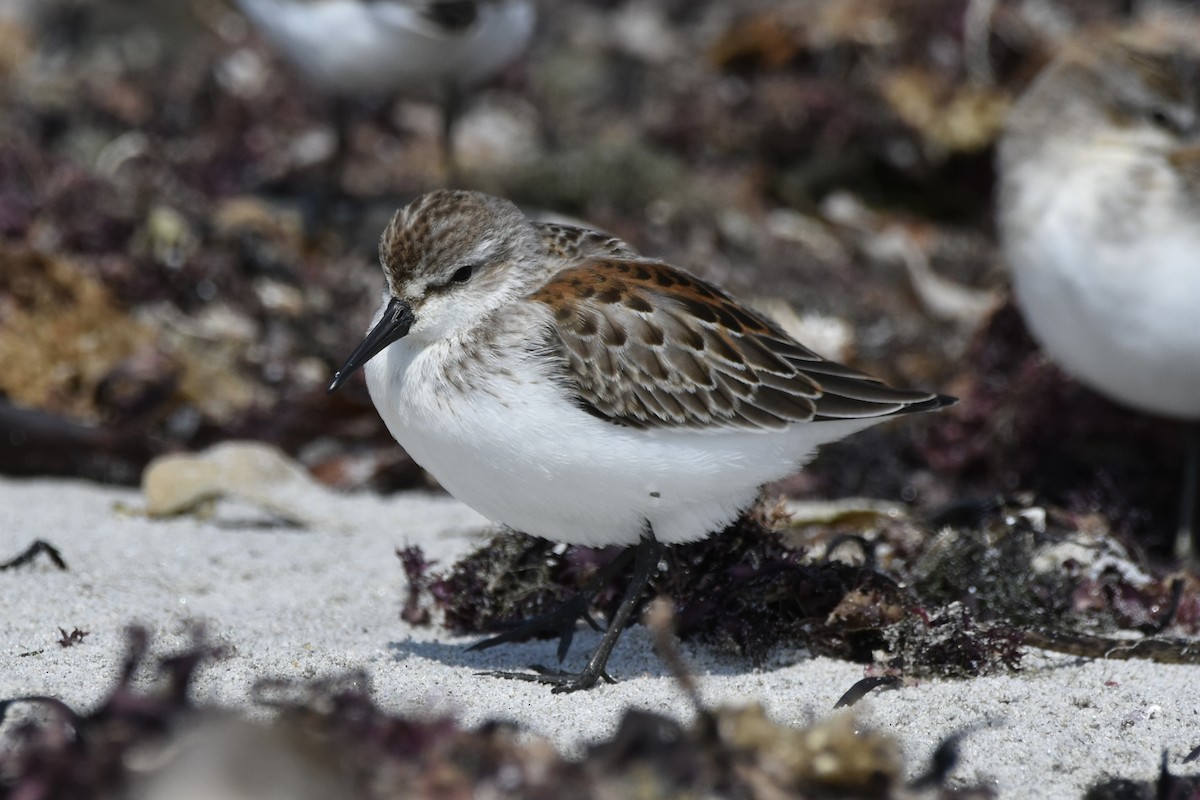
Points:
455	255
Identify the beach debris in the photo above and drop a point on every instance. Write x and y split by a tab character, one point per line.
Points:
949	115
945	757
36	548
889	239
416	571
1167	786
747	593
62	333
329	738
967	600
864	687
76	636
257	473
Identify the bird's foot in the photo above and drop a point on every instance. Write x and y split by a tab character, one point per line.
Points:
560	622
562	681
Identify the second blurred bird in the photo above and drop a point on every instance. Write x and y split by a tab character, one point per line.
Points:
379	49
1100	221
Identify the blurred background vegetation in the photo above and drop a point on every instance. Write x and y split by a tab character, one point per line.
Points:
184	259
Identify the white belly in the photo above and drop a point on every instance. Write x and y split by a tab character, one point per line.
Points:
361	48
1116	304
521	455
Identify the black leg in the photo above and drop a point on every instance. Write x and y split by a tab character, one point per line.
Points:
561	621
452	107
646	557
343	117
321	194
1187	536
646	564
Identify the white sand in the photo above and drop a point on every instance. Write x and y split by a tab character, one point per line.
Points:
301	604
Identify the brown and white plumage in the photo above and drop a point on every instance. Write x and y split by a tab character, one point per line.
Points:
1099	216
648	345
571	245
527	366
561	384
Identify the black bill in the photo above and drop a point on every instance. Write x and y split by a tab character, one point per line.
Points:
394	324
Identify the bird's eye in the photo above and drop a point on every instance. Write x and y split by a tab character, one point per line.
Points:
1160	118
463	274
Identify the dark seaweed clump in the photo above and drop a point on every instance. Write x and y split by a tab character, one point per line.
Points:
961	592
330	739
744	593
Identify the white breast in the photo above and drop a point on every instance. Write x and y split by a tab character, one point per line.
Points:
1106	268
516	450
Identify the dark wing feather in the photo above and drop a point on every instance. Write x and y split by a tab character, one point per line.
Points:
647	345
572	245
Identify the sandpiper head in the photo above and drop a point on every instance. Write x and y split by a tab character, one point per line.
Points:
1137	88
1151	84
450	258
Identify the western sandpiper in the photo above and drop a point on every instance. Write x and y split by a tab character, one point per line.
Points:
1100	219
381	48
565	386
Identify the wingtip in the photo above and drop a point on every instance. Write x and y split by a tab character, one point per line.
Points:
935	403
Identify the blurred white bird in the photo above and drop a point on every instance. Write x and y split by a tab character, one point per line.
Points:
376	49
1100	221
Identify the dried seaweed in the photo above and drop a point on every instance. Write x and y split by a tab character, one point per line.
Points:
1165	787
74	637
967	601
83	755
36	548
329	738
951	644
743	593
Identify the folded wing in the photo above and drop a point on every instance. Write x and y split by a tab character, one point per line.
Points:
647	345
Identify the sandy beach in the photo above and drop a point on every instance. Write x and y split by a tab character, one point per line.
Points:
302	604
